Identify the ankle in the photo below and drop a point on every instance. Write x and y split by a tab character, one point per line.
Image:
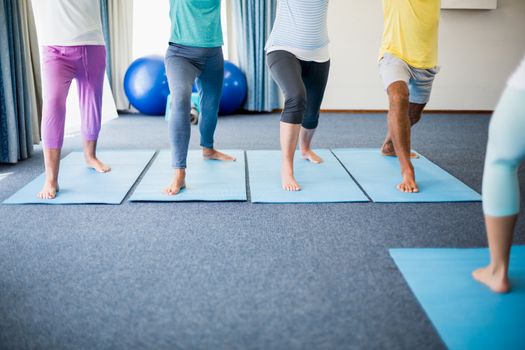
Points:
305	150
287	170
208	151
52	181
498	270
408	170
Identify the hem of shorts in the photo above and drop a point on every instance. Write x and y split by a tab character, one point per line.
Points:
407	61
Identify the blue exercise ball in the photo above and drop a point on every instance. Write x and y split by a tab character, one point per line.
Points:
146	85
233	90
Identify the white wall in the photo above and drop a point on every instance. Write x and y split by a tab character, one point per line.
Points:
477	51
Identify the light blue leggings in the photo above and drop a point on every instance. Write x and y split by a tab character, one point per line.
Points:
505	151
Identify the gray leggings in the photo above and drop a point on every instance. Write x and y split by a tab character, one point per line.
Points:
183	65
303	85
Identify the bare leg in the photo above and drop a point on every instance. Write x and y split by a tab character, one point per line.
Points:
305	143
500	231
178	183
52	164
414	113
212	153
399	126
289	136
90	154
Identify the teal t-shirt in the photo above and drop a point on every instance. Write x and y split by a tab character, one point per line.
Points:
196	23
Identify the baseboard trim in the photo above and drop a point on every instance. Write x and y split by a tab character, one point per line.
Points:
376	111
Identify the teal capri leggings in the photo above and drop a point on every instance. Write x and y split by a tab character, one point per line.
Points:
505	151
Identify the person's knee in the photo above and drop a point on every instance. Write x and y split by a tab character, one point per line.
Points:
294	107
415	116
398	93
503	162
211	100
55	102
296	101
181	99
500	186
311	121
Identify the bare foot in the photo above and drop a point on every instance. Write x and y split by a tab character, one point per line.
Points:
178	183
387	150
49	191
211	153
408	184
497	282
288	181
311	156
96	164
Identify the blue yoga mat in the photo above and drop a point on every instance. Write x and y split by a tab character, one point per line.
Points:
325	182
82	185
379	176
466	314
206	180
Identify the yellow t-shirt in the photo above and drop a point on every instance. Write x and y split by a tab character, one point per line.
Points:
411	31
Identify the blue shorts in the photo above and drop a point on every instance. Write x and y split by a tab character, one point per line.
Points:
419	81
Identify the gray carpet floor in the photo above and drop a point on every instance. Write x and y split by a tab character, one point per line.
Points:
231	275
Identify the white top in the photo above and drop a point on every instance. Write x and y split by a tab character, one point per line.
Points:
68	22
301	28
517	80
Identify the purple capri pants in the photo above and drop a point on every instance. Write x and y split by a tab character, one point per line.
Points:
60	65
